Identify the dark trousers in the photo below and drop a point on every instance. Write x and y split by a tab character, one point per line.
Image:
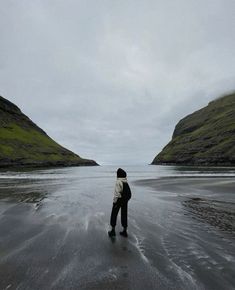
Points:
116	206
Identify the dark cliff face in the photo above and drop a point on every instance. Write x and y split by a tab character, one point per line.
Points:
206	137
23	143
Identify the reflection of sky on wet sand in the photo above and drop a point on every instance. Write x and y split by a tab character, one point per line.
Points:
27	190
54	225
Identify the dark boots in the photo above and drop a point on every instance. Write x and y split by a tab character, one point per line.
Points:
112	233
124	233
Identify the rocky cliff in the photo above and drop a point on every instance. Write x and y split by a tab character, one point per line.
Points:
23	143
206	137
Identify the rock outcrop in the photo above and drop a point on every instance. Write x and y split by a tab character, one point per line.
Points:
23	143
206	137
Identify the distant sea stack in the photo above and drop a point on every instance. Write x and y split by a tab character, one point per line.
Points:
206	137
23	143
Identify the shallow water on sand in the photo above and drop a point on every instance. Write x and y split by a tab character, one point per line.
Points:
54	223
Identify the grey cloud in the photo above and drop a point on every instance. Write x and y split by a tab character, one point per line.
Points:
110	79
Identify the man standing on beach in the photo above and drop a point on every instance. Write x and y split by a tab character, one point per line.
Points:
122	195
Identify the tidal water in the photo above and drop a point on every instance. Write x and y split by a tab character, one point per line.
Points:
54	223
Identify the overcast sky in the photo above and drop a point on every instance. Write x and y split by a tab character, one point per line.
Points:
109	79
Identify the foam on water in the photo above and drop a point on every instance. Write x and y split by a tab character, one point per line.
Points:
140	248
139	172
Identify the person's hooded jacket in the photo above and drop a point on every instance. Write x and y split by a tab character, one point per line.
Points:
121	177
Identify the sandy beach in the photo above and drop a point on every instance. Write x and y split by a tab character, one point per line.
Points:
54	225
211	199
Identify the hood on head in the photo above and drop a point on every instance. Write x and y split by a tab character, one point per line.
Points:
121	173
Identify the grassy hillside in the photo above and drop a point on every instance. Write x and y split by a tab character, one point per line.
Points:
23	143
206	137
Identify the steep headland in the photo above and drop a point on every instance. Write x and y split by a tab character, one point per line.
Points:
206	137
23	143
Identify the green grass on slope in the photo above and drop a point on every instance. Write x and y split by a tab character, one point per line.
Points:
27	136
29	144
206	134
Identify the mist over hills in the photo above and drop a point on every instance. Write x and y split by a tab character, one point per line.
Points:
205	137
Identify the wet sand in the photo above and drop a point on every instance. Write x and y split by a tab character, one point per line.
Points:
211	199
54	234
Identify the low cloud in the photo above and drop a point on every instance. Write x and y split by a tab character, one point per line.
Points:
110	80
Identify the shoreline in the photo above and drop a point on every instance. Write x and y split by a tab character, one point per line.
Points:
232	165
45	166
